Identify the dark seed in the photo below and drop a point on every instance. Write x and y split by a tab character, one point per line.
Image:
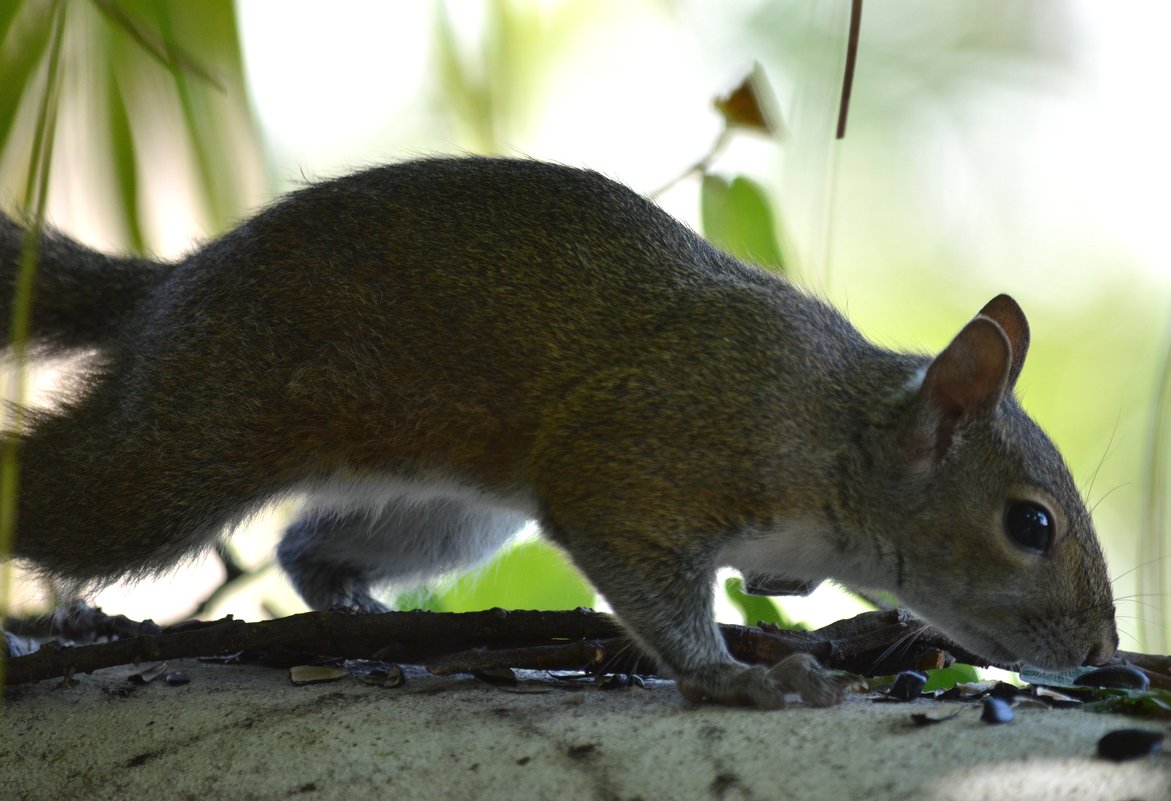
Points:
500	677
951	694
1123	744
996	710
919	719
1122	677
908	686
1005	691
177	678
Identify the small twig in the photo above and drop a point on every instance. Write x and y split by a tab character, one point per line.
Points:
700	166
579	655
412	637
859	645
851	61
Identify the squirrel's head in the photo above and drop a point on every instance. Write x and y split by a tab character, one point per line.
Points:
990	537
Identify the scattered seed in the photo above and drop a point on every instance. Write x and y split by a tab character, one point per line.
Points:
1122	677
908	686
996	710
1123	744
1005	691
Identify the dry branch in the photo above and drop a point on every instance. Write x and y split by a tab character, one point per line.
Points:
874	643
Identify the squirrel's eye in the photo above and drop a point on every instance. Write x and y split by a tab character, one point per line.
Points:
1030	525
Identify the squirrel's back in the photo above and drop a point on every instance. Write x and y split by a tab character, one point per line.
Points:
482	247
383	300
544	272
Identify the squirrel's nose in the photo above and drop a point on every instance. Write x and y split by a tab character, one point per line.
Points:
1102	651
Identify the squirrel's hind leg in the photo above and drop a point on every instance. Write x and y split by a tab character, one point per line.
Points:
335	558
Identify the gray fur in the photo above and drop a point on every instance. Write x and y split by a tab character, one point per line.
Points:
439	349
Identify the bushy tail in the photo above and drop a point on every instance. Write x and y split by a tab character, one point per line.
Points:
80	296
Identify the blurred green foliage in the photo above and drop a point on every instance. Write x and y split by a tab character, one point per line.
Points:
1150	703
141	76
756	609
488	85
738	218
528	575
946	678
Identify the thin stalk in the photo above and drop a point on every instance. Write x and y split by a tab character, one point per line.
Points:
36	195
1152	540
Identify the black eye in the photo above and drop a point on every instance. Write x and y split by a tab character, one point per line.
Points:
1030	525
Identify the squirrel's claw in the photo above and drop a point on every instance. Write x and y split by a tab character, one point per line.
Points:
733	684
804	675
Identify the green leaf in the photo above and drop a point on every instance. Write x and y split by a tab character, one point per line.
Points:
122	157
207	107
21	58
530	575
418	599
164	49
757	609
8	14
1149	703
946	678
737	218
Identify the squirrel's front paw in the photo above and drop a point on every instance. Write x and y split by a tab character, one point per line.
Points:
804	675
733	684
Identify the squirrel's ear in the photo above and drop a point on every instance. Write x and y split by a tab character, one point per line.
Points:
964	382
1005	312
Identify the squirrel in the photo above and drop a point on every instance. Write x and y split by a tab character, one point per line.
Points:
434	352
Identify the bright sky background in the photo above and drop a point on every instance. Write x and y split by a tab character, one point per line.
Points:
344	87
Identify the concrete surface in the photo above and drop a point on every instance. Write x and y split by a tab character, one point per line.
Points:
246	733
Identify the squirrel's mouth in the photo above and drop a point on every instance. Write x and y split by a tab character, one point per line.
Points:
1040	658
